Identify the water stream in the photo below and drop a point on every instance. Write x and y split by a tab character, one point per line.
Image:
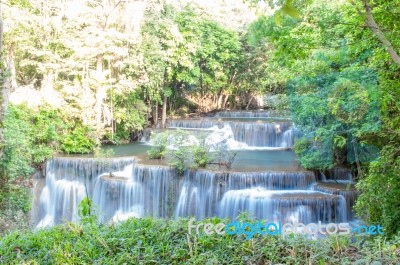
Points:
265	180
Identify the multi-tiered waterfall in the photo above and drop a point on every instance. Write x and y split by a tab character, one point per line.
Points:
265	183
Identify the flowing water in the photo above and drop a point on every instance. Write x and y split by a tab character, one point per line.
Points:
265	180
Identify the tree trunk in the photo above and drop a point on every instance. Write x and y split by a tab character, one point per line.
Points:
100	95
5	84
248	104
155	114
225	101
220	100
11	66
4	100
48	81
164	111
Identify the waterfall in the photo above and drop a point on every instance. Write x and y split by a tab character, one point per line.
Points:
199	194
283	205
254	134
346	190
262	134
202	190
68	181
122	187
340	173
144	191
252	114
145	137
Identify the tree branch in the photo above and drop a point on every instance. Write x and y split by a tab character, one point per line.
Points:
373	26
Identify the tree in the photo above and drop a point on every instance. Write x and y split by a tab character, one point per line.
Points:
366	12
161	40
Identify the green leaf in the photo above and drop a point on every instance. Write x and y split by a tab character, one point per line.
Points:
291	11
278	18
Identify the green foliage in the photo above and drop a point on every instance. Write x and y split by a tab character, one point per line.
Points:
30	137
79	140
159	148
278	102
103	152
332	94
181	151
380	191
130	114
201	154
16	197
159	241
85	208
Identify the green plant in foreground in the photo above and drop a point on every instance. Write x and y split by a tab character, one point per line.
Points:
161	241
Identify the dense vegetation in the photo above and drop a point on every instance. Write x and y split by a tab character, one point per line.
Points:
149	241
342	85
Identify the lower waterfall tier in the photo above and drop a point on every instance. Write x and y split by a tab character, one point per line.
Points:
122	188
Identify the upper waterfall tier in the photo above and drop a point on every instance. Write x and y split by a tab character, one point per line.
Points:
252	114
250	133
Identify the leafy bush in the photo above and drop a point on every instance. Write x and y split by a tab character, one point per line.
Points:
181	152
279	101
79	141
30	137
224	156
159	148
158	241
314	155
15	204
201	154
129	114
380	192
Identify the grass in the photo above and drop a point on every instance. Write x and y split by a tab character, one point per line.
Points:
158	241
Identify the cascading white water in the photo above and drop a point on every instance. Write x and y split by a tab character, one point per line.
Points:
252	114
122	188
242	135
283	205
340	173
140	191
134	190
68	181
343	189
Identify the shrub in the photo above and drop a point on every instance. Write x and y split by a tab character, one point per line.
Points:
278	101
79	140
380	192
181	152
224	156
159	148
159	241
201	154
